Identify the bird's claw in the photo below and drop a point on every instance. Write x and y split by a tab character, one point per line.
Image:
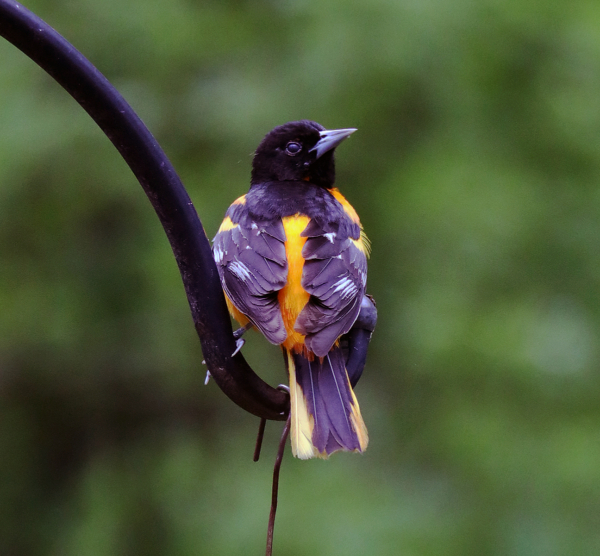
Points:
239	343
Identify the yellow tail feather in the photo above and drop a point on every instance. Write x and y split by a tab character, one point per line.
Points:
302	423
358	423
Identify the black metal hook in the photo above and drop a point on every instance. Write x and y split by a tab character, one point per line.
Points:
163	187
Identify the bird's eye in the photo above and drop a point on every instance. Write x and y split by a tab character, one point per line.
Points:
293	148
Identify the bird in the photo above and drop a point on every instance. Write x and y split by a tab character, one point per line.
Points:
292	260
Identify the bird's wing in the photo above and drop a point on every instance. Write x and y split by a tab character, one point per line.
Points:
335	276
251	260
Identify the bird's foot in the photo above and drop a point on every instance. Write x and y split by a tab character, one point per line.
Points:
242	330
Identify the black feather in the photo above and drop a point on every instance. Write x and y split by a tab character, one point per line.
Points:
329	400
253	268
334	274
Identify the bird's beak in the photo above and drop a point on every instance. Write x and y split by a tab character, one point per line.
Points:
330	139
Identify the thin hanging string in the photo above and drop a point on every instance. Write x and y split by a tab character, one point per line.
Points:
259	438
280	451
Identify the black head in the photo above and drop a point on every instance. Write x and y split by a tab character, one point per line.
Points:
298	151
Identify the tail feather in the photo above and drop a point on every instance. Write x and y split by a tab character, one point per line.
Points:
302	423
325	413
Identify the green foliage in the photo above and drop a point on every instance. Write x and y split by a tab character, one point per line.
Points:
475	171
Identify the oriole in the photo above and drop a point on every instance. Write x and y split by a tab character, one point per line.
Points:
292	259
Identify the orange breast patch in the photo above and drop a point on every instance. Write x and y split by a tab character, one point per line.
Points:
293	297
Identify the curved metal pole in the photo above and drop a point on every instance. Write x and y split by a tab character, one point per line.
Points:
169	198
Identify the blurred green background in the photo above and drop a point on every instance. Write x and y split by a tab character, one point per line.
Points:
475	171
